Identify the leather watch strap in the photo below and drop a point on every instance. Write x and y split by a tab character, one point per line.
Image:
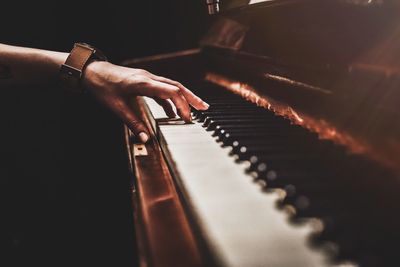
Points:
72	70
79	56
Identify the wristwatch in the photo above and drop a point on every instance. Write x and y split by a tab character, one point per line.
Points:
71	71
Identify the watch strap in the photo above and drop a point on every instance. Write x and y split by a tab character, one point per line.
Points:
72	70
79	56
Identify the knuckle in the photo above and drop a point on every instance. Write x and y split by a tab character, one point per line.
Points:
179	84
141	81
175	91
142	72
136	124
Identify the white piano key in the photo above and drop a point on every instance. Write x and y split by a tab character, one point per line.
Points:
239	222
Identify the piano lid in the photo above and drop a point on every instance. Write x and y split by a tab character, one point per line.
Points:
348	49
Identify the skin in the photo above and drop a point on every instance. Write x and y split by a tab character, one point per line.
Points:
113	85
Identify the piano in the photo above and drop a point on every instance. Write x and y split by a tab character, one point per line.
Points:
297	160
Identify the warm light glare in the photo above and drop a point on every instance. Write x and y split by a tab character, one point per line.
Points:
322	127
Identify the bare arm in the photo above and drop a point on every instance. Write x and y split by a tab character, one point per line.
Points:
25	66
113	85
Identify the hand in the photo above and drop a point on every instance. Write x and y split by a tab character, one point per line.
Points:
115	86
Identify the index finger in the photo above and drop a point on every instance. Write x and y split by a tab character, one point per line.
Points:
191	98
168	91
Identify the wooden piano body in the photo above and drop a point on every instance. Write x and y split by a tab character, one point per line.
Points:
329	66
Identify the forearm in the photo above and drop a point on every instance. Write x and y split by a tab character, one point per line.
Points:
113	85
27	66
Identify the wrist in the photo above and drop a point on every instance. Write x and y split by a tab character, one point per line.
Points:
57	58
47	61
91	77
72	70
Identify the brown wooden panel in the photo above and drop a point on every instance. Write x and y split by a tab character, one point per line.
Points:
164	234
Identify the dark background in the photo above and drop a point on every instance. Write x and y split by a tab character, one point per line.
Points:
64	179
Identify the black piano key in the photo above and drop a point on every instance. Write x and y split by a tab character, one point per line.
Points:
244	152
289	179
228	138
309	141
230	115
256	111
281	144
321	179
262	133
240	119
228	108
254	127
212	124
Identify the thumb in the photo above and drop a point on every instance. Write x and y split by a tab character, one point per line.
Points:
134	123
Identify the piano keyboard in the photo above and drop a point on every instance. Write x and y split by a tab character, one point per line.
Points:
265	192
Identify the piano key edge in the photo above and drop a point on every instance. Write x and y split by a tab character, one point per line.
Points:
163	232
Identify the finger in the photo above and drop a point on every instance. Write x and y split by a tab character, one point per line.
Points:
193	99
182	106
127	114
169	110
168	91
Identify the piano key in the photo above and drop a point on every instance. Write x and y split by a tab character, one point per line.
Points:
232	114
307	141
221	108
240	227
228	138
244	115
312	173
241	121
227	128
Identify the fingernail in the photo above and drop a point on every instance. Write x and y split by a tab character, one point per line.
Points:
205	105
143	137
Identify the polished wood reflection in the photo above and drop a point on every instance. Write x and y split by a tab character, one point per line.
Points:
164	235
